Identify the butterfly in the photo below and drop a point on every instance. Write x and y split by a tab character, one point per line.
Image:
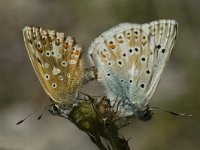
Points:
56	59
130	59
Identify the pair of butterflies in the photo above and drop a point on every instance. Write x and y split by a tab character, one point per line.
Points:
129	60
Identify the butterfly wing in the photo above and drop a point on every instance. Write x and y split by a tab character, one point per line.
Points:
56	60
130	59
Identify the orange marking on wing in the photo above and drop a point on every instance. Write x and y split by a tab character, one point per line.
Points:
112	46
66	45
77	52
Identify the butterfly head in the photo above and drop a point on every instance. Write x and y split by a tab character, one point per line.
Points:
127	109
55	109
58	110
145	114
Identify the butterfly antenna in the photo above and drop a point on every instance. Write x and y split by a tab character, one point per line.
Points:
171	112
34	111
44	110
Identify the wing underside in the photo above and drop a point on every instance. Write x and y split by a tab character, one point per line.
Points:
56	61
130	58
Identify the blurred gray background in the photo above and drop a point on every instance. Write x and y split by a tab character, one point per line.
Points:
21	92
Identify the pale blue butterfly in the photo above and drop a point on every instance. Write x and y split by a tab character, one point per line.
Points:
130	59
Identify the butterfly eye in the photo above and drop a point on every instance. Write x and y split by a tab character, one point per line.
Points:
55	108
145	115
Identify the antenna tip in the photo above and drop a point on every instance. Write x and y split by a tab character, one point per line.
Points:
19	122
189	115
39	117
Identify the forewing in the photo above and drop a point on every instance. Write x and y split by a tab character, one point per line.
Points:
56	60
131	57
162	39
